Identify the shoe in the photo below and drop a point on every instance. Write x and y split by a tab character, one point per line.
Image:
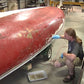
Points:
68	78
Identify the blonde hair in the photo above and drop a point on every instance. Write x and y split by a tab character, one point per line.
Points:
71	32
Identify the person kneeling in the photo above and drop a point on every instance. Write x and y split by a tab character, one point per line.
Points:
74	56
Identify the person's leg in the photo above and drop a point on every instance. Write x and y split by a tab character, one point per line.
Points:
71	67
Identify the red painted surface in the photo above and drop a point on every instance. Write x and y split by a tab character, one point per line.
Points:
23	34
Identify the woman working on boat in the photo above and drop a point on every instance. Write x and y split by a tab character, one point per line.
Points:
74	56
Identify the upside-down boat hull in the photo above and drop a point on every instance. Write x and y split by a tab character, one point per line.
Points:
23	35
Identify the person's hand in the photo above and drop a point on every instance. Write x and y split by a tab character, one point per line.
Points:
55	37
61	55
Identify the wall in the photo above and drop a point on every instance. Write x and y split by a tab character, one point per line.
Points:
3	5
12	5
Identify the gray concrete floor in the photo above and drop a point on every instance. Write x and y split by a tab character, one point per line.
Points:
74	19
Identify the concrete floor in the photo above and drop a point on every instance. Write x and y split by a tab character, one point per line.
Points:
74	20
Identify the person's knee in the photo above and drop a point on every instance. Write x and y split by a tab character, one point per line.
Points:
57	64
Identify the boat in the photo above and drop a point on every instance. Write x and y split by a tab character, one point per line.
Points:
26	33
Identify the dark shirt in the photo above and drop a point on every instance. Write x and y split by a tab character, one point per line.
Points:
75	48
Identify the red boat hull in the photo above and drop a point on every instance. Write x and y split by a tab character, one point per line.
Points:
25	33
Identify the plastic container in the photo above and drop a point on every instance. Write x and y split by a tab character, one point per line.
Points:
37	75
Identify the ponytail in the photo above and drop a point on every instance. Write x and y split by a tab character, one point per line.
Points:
79	40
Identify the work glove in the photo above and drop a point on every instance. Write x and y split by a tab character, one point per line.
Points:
55	37
61	55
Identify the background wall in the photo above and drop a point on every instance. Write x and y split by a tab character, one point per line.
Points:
8	5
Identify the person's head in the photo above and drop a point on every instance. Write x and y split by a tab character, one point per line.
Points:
70	35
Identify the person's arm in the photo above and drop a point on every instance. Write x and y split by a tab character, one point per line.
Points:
62	37
69	56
